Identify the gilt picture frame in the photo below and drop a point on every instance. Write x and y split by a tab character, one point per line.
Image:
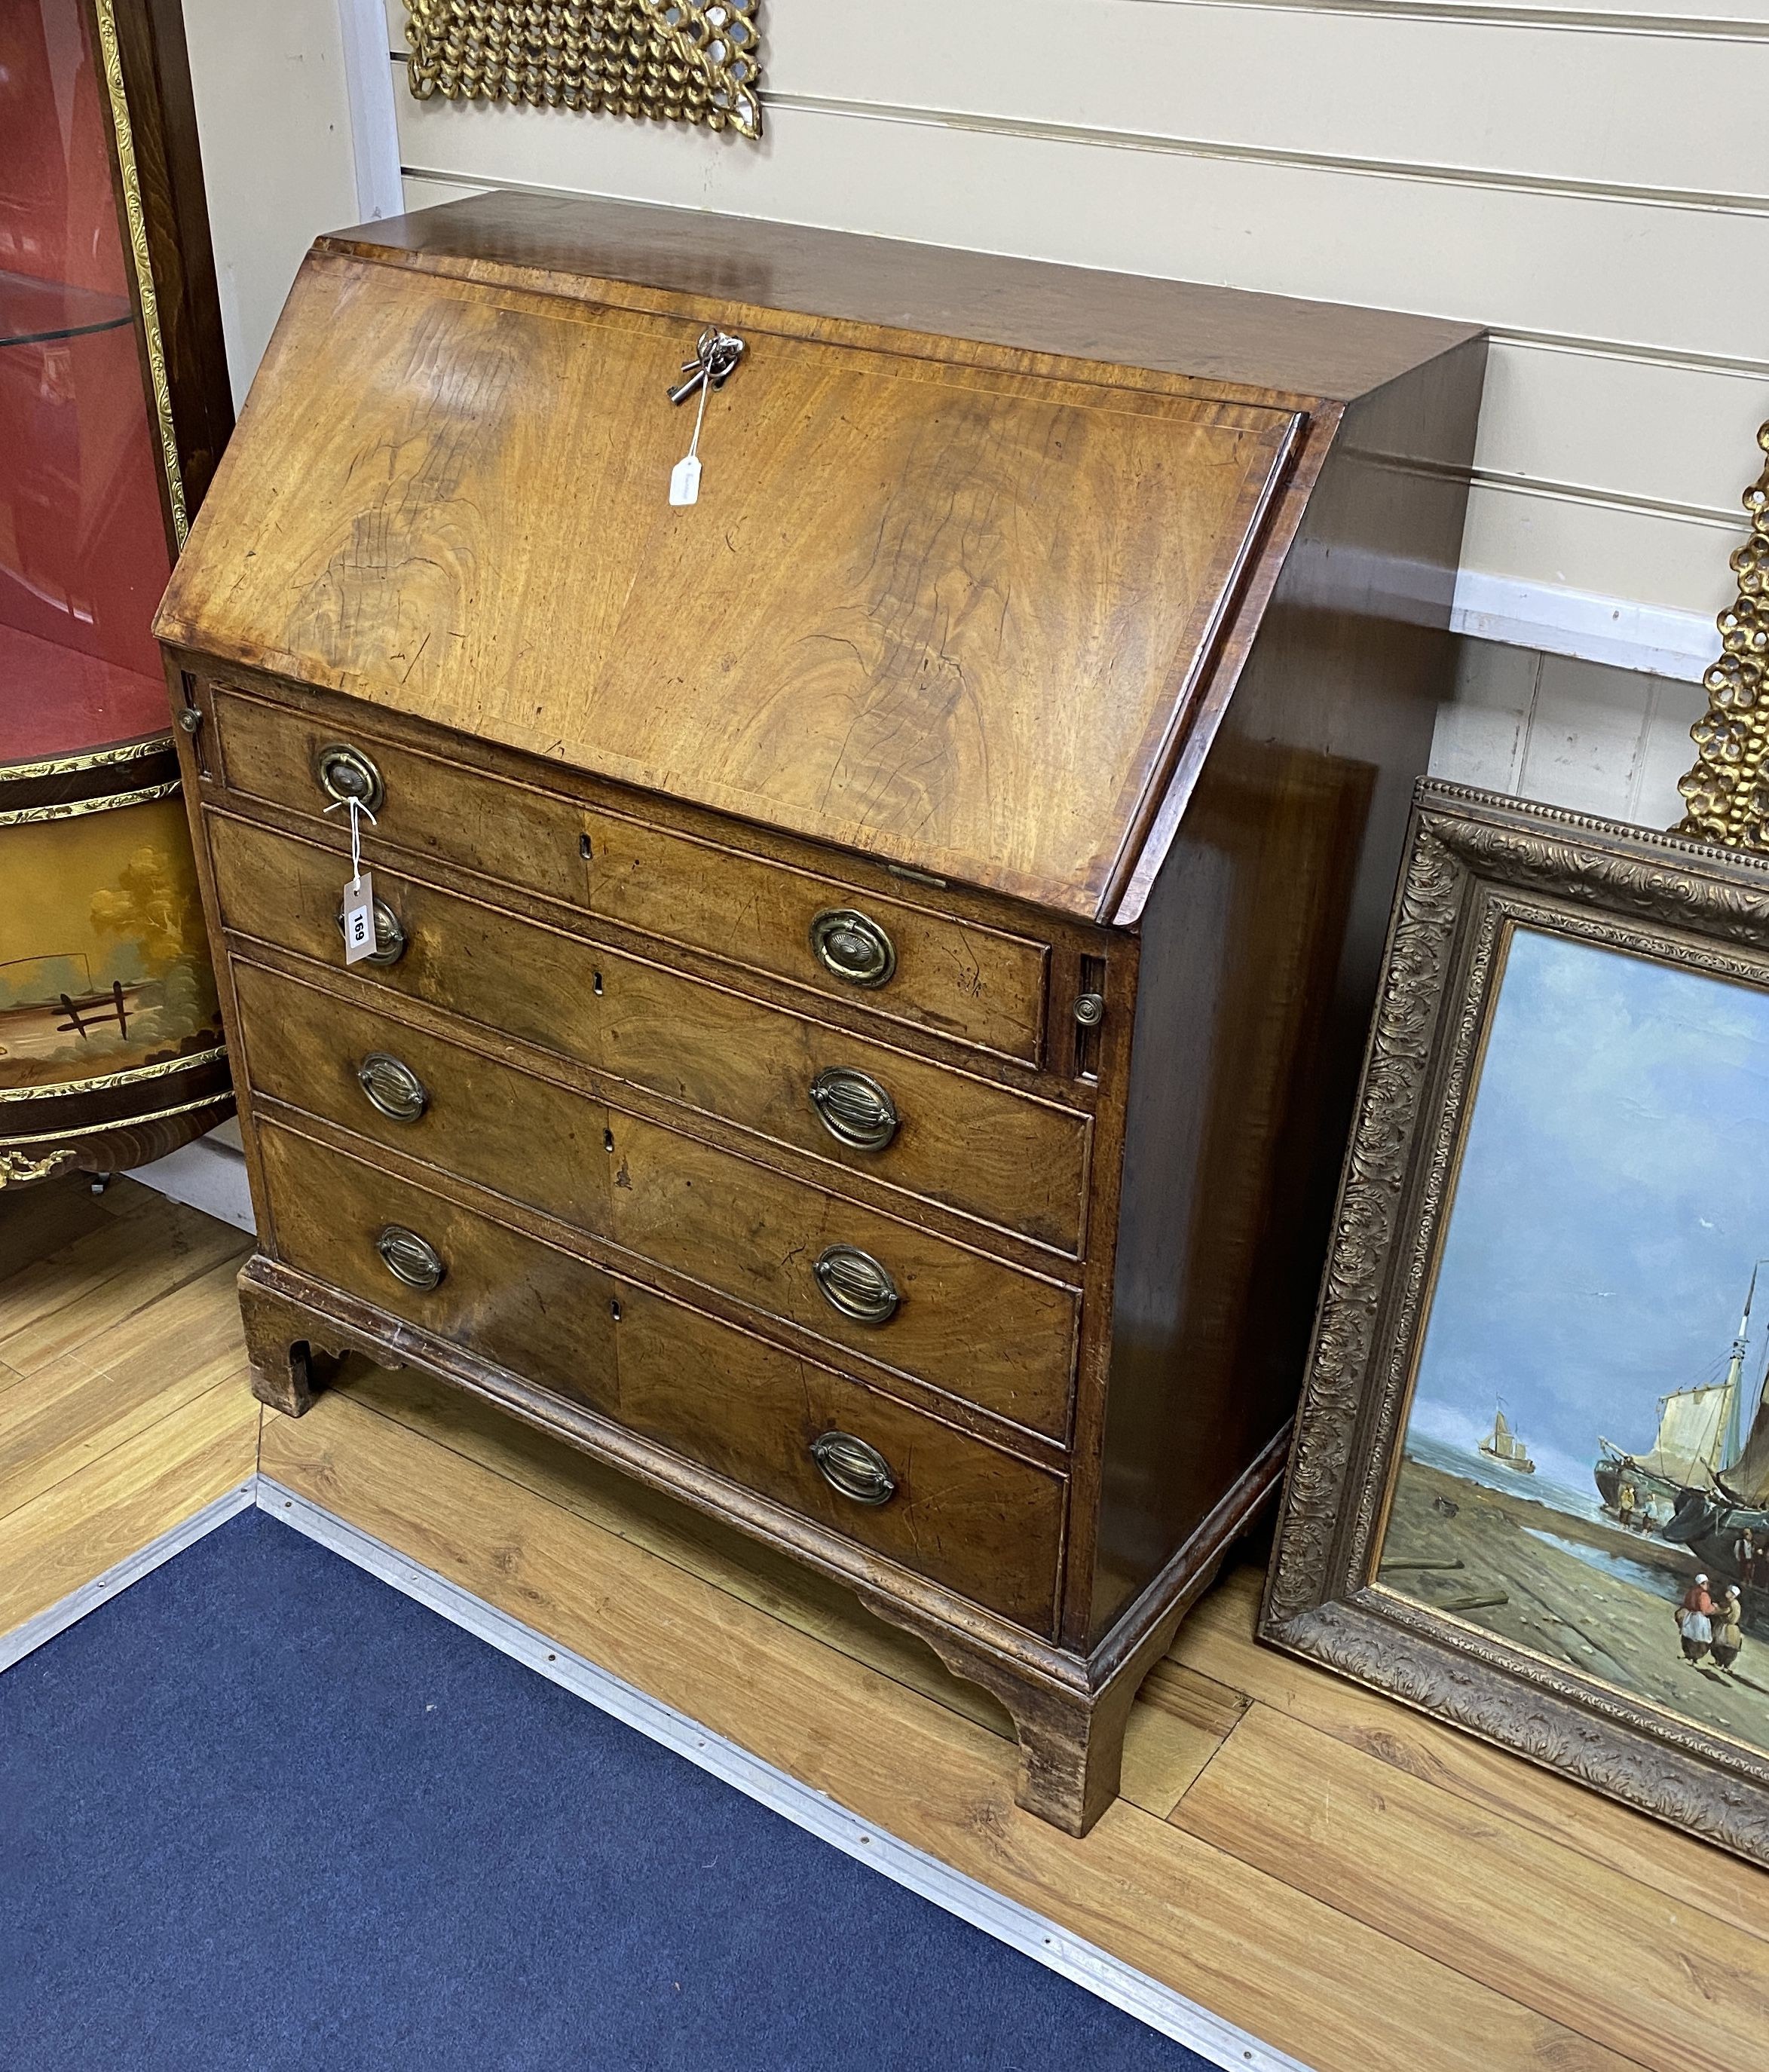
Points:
1532	1429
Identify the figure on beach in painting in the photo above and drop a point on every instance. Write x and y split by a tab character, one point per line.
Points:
1695	1621
1728	1630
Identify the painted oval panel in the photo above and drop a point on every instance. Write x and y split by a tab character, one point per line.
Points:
104	964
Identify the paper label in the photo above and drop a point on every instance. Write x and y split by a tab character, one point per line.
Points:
359	919
684	480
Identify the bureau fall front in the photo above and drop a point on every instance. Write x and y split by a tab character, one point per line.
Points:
859	969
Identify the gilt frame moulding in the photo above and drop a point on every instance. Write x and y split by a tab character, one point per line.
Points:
1481	869
695	62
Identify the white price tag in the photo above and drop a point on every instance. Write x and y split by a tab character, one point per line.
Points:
684	480
359	919
356	916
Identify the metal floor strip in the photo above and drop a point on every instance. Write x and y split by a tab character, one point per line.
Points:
21	1641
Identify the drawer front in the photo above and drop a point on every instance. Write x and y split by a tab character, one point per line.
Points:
973	983
431	809
972	1145
960	1512
537	1312
983	1331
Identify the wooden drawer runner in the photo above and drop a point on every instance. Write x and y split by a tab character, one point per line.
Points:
975	1147
977	985
965	1323
963	1513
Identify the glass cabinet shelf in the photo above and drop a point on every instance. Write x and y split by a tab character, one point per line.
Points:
35	312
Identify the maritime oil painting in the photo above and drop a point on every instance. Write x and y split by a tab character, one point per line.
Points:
1584	1472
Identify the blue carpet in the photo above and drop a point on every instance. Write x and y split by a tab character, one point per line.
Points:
260	1811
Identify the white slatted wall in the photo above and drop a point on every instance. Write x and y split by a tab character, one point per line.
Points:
1591	182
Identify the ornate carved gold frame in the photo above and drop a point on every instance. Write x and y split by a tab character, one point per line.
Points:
1478	866
1727	792
694	61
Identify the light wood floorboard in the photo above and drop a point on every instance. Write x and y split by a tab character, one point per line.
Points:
1352	1881
104	1276
86	1522
1218	1641
124	1402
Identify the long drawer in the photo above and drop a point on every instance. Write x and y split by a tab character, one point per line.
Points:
975	1146
949	1505
978	985
950	1316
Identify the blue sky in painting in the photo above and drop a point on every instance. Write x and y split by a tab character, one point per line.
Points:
1613	1195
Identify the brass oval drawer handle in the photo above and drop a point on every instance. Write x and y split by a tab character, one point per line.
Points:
410	1258
389	936
854	946
346	773
392	1086
854	1283
853	1468
853	1107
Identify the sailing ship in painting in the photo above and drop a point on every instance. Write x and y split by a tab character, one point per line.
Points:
1704	1483
1689	1448
1506	1447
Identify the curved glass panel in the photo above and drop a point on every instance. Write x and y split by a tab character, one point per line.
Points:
84	554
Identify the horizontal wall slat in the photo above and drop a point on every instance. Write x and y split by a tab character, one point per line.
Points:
1641	17
1643	557
1524	101
1679	435
421	193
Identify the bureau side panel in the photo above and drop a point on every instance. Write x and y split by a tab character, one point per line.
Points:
1261	943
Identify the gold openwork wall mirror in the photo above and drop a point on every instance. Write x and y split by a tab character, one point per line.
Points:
658	61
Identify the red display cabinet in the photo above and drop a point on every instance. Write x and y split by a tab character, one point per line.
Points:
113	406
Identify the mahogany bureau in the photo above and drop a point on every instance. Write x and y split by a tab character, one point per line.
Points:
869	966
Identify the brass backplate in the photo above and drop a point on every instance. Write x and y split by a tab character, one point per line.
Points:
697	61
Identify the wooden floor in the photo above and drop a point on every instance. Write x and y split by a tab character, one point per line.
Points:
1356	1885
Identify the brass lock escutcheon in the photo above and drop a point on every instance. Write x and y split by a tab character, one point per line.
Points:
389	936
852	946
410	1258
392	1086
346	773
853	1468
853	1107
855	1285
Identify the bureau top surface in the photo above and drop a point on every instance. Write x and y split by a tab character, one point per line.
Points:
934	603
